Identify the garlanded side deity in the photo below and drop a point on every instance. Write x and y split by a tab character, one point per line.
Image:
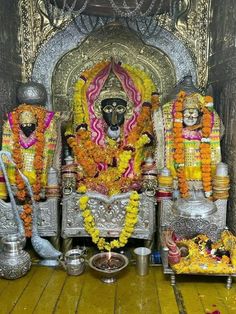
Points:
111	136
191	131
188	133
30	134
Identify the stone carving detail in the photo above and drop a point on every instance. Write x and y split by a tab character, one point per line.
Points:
186	226
228	112
222	77
109	215
48	220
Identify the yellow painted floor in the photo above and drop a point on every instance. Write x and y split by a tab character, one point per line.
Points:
50	290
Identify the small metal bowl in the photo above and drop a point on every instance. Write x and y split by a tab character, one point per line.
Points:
108	275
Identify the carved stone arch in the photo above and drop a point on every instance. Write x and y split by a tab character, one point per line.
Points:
64	56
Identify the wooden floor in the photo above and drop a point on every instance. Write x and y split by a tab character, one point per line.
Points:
49	290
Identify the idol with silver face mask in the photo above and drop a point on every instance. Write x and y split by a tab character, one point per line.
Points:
191	112
113	112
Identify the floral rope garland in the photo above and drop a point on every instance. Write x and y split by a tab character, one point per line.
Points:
179	145
112	176
205	148
117	156
40	114
131	219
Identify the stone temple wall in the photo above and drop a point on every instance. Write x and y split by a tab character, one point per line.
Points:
10	60
222	76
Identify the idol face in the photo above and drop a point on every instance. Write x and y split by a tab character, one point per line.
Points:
191	116
27	123
28	128
113	112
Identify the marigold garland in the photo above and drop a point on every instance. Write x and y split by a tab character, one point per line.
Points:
26	216
179	145
112	176
205	148
131	219
40	114
141	79
88	154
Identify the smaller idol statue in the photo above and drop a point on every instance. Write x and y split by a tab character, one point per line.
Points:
190	164
192	142
30	134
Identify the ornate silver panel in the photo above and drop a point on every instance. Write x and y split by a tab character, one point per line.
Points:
109	214
184	226
48	218
68	39
185	43
124	46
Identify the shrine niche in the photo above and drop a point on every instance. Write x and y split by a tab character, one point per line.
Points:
193	185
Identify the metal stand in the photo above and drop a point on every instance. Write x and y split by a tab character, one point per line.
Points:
229	282
108	280
168	271
172	280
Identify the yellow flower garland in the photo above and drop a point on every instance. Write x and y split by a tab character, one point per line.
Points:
80	106
142	81
131	219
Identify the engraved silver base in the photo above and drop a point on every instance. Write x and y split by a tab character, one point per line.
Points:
109	214
211	223
48	218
